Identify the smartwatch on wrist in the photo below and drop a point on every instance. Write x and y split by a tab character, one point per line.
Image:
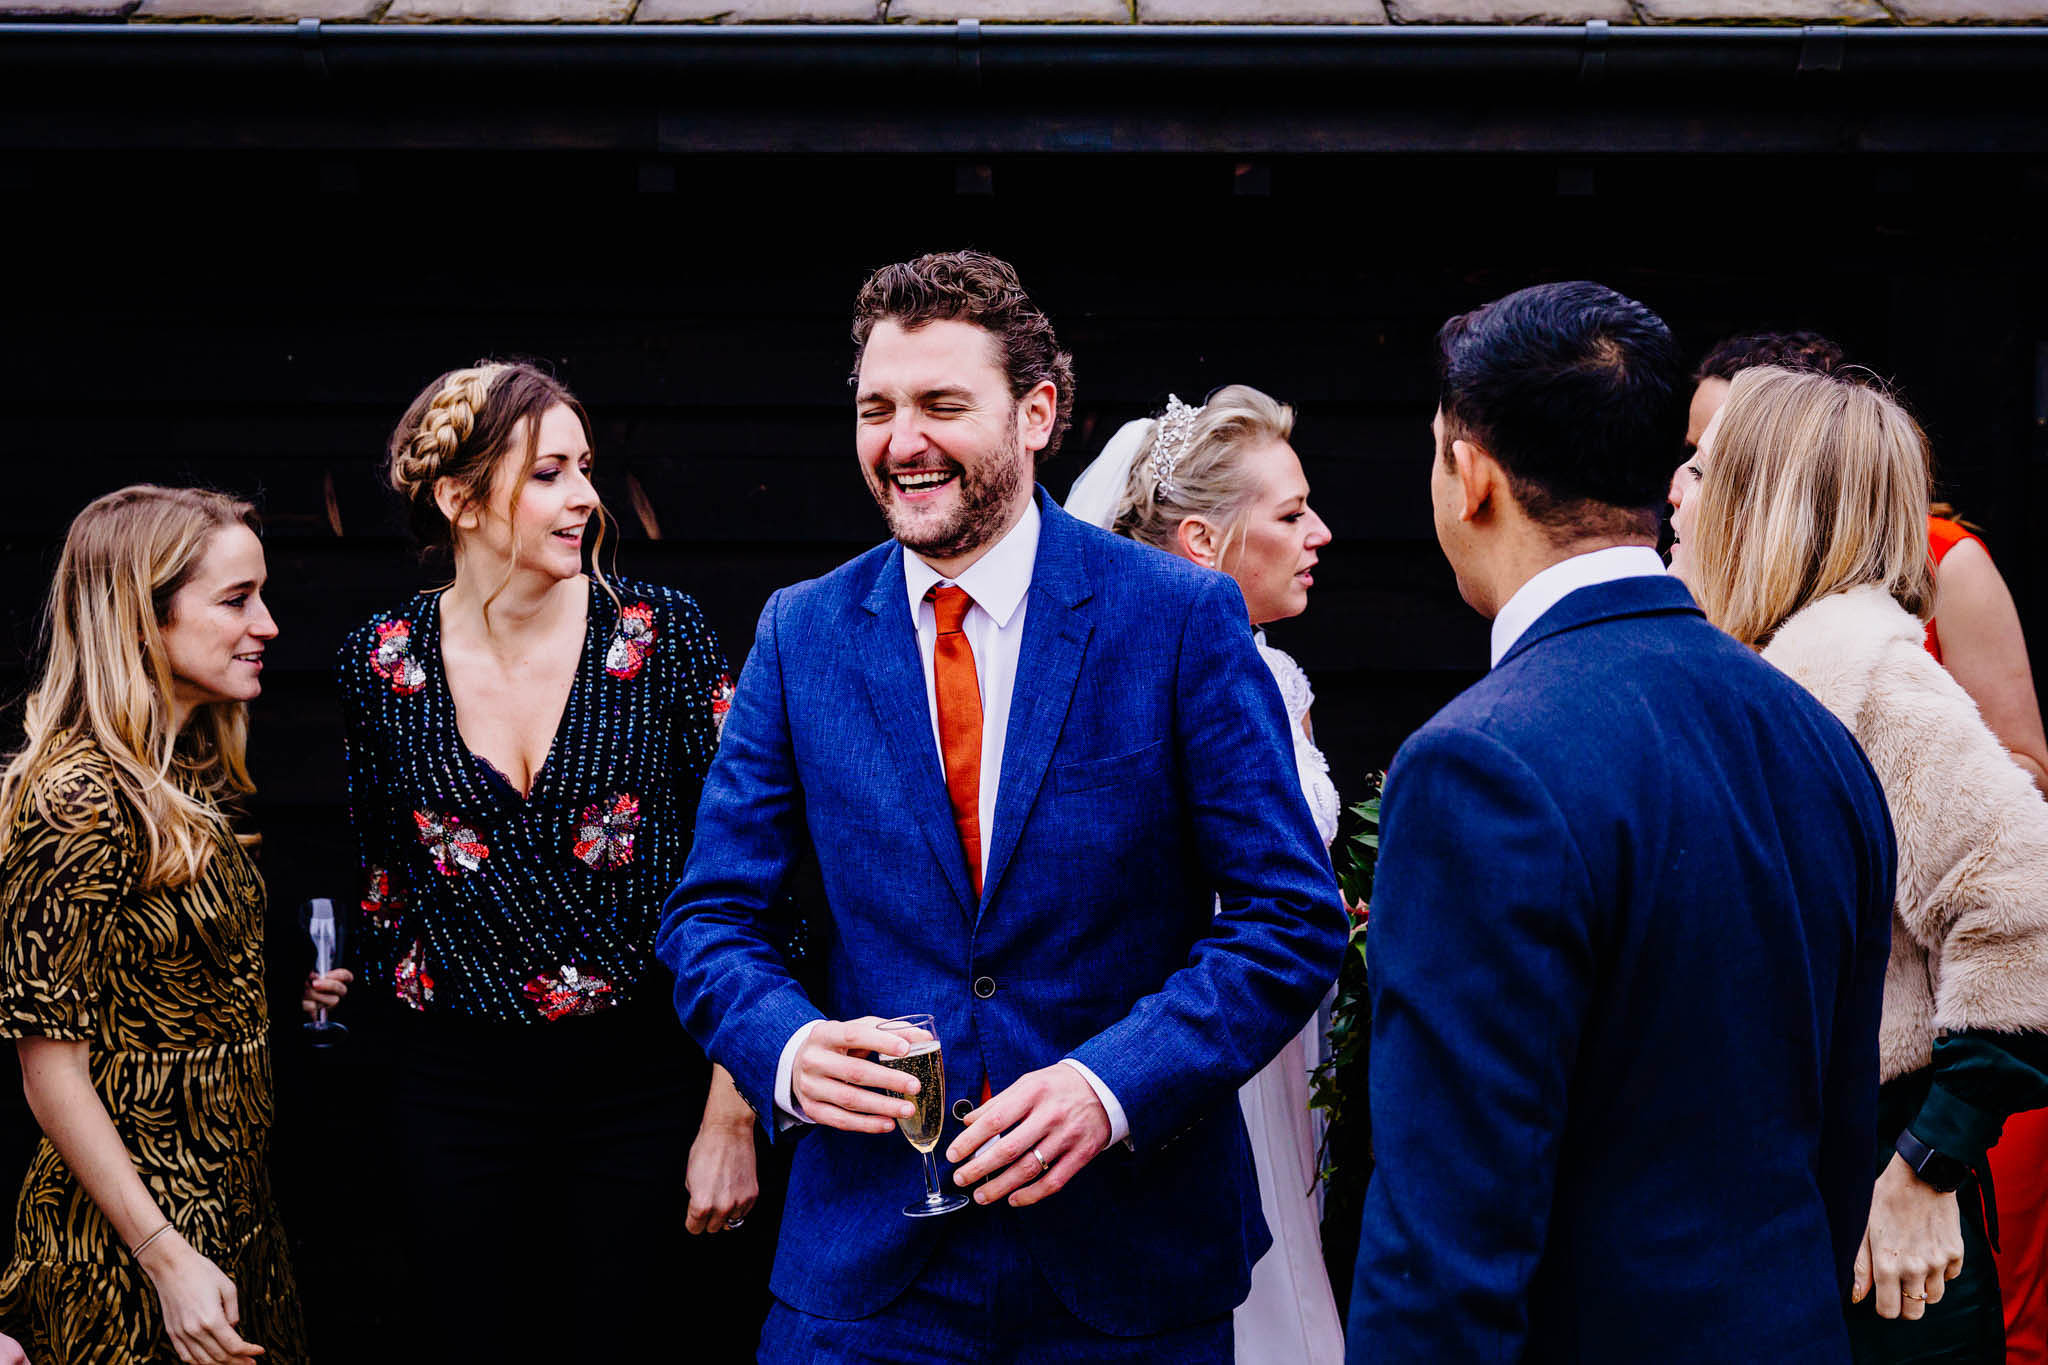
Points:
1944	1173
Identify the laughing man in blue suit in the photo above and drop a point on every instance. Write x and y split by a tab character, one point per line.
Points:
1031	759
1631	919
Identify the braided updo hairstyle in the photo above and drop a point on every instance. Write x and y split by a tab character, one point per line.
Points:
463	427
1210	479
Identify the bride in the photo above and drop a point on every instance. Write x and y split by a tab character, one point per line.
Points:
1220	485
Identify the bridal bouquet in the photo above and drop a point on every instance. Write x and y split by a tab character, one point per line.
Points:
1338	1086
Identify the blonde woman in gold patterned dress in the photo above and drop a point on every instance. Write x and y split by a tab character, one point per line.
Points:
131	952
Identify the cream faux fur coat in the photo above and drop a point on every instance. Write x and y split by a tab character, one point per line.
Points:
1970	927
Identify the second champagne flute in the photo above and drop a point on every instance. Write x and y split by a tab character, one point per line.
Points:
927	1121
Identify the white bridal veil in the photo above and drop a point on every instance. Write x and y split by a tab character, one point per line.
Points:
1094	496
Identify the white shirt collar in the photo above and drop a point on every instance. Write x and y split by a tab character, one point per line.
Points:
997	581
1562	579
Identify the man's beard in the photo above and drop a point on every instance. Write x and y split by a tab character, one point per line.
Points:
986	492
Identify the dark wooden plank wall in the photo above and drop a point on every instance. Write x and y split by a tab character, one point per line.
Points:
267	348
253	335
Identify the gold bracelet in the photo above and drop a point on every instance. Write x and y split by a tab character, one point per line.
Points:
144	1245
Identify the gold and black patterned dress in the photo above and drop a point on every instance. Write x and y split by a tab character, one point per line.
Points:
166	989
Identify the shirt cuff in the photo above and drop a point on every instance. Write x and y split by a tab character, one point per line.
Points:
1119	1125
1956	1128
787	1113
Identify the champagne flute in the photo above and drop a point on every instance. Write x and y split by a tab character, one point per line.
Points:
324	929
927	1120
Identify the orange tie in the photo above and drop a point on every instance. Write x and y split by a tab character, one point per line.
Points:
959	697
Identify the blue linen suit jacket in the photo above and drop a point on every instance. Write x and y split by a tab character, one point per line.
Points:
1147	770
1627	957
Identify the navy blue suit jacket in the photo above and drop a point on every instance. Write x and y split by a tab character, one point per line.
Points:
1627	958
1147	770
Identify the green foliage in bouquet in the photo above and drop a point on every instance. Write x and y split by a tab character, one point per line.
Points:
1338	1086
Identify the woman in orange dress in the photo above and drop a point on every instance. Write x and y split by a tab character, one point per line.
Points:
1975	633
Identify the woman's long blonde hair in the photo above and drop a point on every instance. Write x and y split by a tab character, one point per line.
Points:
1814	483
107	677
1210	480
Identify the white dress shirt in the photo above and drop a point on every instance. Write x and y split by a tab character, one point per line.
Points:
1560	580
999	583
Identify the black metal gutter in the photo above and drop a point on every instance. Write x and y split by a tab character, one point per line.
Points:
984	90
785	61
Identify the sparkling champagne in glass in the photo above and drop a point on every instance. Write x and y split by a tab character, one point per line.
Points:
927	1120
324	928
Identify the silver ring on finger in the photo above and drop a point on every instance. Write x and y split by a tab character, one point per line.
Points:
1043	1164
735	1221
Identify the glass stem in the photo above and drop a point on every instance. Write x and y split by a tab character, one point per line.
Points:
931	1177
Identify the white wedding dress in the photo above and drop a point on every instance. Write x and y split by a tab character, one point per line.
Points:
1291	1316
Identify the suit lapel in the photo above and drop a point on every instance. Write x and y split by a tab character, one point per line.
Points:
1637	595
887	645
1048	667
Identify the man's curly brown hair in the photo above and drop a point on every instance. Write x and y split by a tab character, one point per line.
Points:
973	286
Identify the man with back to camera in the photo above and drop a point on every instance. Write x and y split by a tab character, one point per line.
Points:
1029	757
1631	919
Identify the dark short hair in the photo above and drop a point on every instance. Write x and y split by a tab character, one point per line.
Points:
1802	351
973	286
1578	392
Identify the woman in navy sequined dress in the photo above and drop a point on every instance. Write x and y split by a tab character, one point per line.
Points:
525	749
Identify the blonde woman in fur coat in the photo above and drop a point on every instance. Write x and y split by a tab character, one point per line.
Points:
1807	540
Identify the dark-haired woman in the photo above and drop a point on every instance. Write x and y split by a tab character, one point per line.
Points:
525	751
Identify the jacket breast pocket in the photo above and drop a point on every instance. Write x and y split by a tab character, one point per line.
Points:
1090	773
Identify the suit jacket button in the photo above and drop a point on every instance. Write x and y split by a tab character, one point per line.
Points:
984	986
962	1108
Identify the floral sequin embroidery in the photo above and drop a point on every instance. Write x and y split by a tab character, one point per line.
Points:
380	901
415	987
455	846
392	658
566	991
721	702
485	894
604	834
632	642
